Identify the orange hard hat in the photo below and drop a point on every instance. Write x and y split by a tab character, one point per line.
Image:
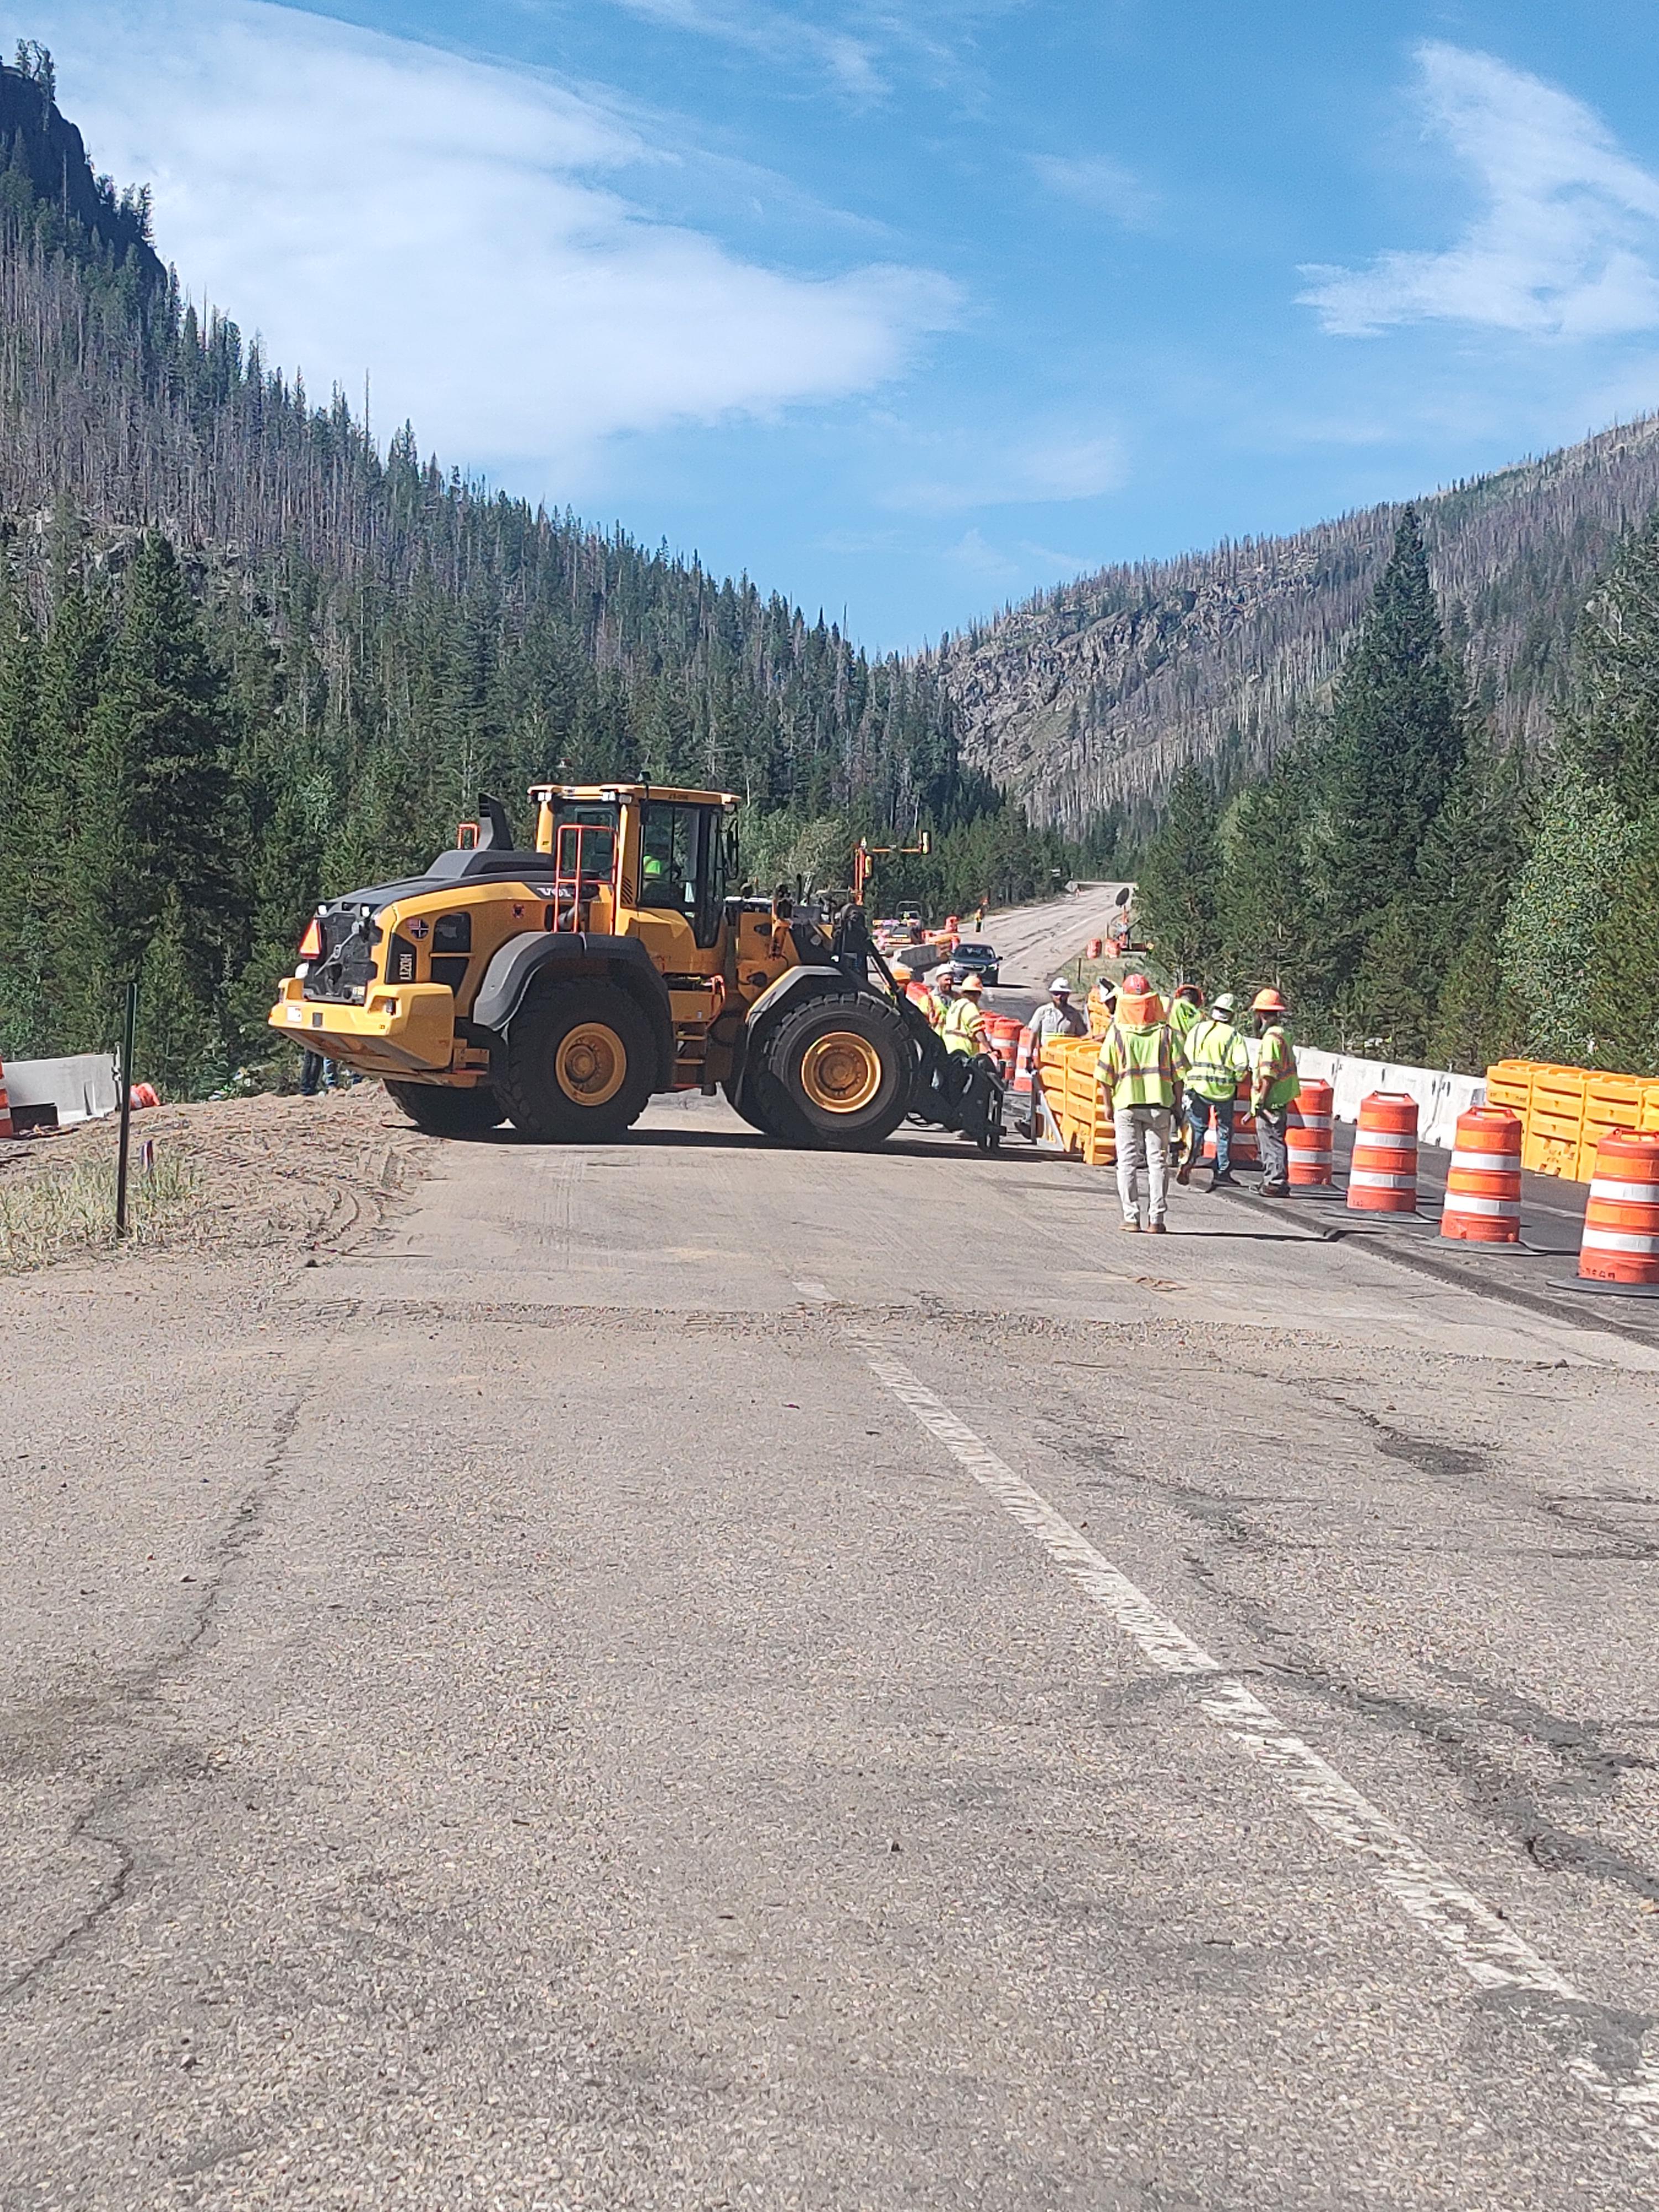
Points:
1268	1002
973	981
1136	986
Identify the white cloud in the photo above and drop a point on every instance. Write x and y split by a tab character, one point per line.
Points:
1059	464
459	231
1567	235
974	553
1096	181
847	60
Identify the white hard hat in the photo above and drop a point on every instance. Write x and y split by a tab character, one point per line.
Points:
1059	983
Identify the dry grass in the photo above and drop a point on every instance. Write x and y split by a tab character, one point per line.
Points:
69	1207
230	1176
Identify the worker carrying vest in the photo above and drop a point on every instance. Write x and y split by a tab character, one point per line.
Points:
963	1028
1214	1059
1273	1085
1137	1072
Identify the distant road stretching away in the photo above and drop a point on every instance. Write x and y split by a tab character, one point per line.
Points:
1036	941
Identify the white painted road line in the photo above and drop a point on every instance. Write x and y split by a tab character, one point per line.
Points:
1488	1951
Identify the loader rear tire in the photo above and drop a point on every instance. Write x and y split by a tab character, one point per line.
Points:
442	1110
579	1064
836	1073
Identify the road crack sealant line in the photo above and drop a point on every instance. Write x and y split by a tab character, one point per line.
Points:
1495	1958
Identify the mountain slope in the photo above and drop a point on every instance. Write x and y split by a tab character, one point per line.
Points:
1089	698
402	635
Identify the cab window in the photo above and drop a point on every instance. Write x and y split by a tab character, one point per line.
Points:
681	864
598	847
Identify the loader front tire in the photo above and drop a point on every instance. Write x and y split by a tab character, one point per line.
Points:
442	1110
836	1073
578	1066
740	1099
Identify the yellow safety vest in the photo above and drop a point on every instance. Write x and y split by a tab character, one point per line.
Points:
961	1026
1215	1058
1137	1067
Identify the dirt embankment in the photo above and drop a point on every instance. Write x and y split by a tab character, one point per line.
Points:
283	1173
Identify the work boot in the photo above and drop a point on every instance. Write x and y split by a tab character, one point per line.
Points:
1275	1190
1131	1228
1228	1182
1184	1172
1156	1229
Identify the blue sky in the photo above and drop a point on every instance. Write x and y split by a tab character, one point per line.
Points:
910	308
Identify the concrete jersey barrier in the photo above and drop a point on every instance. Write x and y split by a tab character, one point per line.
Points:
1441	1097
81	1089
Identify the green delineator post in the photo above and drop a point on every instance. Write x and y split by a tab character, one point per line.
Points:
127	1036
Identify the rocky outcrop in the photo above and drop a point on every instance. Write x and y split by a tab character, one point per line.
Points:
1091	696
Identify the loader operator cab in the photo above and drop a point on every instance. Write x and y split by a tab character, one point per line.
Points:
669	858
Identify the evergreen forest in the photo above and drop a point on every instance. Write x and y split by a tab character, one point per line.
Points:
248	659
1421	890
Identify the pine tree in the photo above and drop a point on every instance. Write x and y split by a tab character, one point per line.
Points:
73	663
1270	915
25	886
1179	893
1385	1009
1547	940
1623	996
1397	741
1615	730
156	832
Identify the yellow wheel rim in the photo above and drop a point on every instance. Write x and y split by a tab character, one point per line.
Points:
592	1065
841	1073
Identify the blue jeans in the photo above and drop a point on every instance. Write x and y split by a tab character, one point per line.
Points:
1198	1111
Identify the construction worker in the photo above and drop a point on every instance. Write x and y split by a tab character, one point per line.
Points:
1059	1018
941	995
1213	1058
964	1026
1186	1005
1185	1008
1273	1084
1137	1070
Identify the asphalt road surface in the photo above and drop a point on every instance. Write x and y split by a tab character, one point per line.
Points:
1036	941
694	1675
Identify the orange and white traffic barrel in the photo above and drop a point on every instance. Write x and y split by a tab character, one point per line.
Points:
1003	1034
1382	1177
1621	1221
1483	1183
6	1129
1020	1088
1307	1136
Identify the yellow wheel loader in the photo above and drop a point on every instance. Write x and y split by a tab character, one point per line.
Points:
558	987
